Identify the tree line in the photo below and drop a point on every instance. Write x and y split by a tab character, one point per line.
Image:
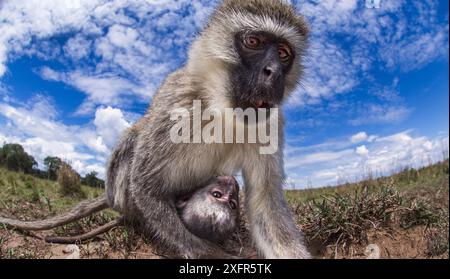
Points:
13	157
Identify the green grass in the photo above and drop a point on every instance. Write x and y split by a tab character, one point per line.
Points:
347	213
407	180
336	217
18	190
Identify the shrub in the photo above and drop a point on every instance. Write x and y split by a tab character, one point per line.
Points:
69	181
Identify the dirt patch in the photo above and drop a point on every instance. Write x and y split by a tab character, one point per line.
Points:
393	244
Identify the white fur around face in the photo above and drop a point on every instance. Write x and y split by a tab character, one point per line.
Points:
214	50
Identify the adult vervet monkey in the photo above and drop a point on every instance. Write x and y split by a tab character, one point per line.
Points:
248	56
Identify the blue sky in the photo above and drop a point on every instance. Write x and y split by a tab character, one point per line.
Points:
375	96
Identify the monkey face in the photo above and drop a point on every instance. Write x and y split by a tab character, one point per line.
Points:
259	80
212	212
225	191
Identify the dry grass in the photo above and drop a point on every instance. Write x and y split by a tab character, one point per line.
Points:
405	214
349	215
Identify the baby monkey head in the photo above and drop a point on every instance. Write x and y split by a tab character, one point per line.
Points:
212	212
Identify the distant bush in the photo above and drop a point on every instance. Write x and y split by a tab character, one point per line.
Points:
91	180
69	181
14	157
53	164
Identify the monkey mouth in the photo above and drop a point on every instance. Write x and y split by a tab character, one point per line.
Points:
261	104
257	104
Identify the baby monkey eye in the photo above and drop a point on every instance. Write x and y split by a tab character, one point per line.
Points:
252	42
232	205
284	52
217	195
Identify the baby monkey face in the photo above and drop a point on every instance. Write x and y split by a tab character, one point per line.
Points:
224	190
212	212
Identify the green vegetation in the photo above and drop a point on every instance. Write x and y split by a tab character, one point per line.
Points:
21	193
13	157
406	215
69	181
91	179
53	164
346	214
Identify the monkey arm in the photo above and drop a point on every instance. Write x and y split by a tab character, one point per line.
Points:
272	224
86	236
80	211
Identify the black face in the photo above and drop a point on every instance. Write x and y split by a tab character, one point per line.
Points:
259	80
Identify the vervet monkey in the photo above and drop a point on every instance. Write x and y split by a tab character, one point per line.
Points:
248	56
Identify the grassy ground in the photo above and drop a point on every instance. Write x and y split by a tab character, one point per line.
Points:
404	216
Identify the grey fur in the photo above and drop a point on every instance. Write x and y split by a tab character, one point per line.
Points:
209	217
147	171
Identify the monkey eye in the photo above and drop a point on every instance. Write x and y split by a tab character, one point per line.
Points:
284	52
252	42
232	205
217	194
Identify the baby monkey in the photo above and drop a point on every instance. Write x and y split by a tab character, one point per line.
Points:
212	213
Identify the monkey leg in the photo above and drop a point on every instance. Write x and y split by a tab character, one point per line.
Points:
87	236
80	211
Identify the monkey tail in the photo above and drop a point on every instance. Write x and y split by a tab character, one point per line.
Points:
87	236
78	212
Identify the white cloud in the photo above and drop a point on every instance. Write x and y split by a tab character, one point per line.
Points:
362	150
86	147
78	47
359	137
121	36
376	114
315	158
100	89
133	54
400	34
382	156
329	71
110	124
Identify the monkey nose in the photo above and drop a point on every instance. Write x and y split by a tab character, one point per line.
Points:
270	72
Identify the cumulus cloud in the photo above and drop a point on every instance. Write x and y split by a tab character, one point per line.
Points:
78	47
100	89
359	137
398	35
110	124
362	150
135	44
382	156
85	147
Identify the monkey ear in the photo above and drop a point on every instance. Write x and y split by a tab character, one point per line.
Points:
182	202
